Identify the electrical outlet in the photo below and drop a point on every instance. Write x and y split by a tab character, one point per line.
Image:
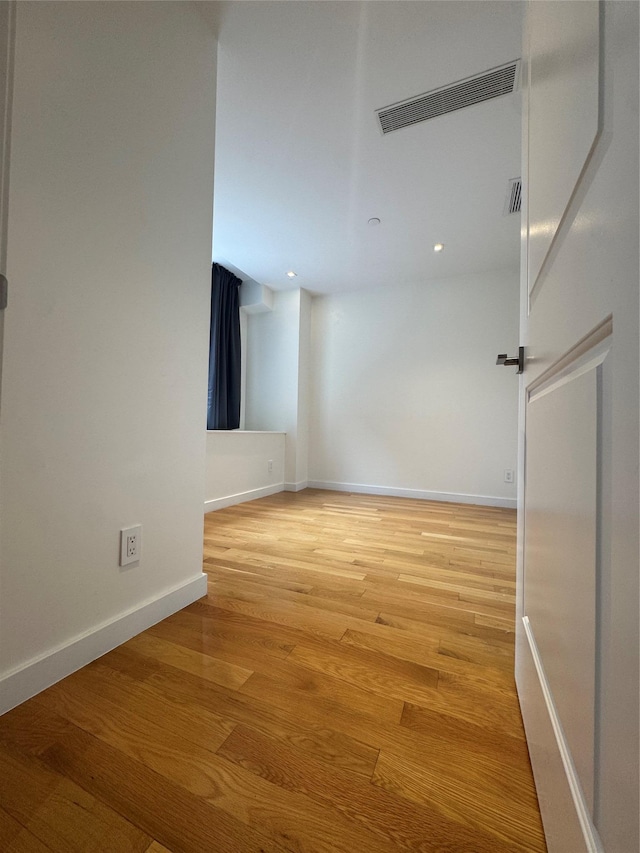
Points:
270	466
508	475
130	544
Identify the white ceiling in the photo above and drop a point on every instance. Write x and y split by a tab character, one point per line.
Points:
301	164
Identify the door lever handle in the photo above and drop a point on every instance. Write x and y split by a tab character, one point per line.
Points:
518	362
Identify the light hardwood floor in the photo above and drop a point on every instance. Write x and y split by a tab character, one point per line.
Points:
345	686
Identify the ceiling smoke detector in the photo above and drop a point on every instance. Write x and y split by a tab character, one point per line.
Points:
489	84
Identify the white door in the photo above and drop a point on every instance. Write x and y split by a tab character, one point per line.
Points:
7	28
7	38
578	608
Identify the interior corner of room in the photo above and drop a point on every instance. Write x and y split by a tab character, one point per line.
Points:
390	400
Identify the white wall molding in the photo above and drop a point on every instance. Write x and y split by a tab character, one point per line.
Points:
418	494
296	487
241	497
32	677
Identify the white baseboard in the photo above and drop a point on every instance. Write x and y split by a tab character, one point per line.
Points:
36	675
241	497
418	494
296	487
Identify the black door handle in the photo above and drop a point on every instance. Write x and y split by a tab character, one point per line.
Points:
518	362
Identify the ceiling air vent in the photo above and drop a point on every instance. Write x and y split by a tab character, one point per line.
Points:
464	93
513	200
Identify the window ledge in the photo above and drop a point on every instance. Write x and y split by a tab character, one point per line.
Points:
248	431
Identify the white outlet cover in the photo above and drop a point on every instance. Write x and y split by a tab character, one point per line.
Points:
130	545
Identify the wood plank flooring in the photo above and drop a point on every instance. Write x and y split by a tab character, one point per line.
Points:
345	686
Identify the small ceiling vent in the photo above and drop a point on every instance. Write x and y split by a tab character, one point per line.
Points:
513	200
465	93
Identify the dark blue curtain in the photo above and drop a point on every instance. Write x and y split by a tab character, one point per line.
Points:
223	406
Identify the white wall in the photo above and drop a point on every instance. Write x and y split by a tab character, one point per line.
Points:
237	466
277	361
406	394
254	299
105	366
304	390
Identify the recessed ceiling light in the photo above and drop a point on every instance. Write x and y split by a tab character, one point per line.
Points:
438	247
373	221
292	274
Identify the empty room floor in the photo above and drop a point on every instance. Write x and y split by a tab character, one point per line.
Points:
346	685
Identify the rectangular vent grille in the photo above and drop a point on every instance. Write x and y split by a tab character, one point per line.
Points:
464	93
513	201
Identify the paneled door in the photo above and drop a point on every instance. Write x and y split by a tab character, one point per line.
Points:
7	28
578	605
